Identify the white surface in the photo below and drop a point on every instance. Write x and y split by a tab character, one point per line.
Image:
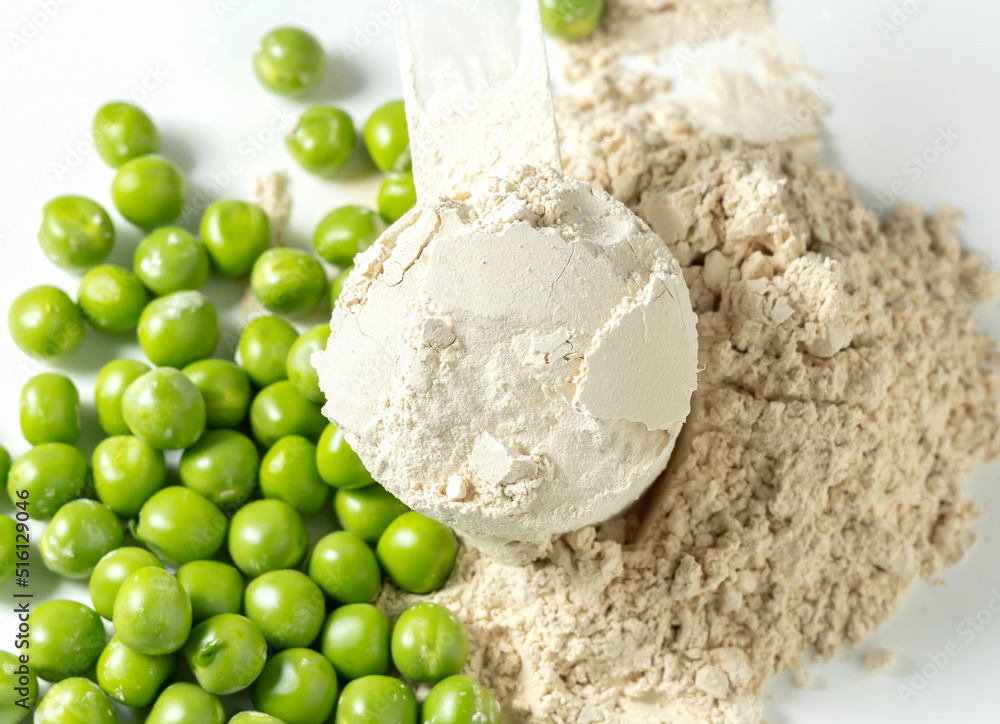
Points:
889	97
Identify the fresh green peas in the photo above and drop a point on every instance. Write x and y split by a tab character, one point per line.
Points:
417	552
387	137
66	639
112	381
460	700
132	678
571	19
346	232
50	410
149	191
299	367
165	409
337	285
235	234
252	717
280	410
47	477
17	684
338	464
299	686
267	535
182	703
213	588
288	606
356	640
322	140
397	196
76	232
264	347
171	260
226	653
5	463
226	389
345	568
152	613
127	472
111	572
289	62
179	329
288	472
45	323
222	466
8	548
367	512
111	298
288	281
80	534
429	643
122	132
180	526
75	700
377	699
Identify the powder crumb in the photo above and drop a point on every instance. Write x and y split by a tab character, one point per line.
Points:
270	192
802	679
882	660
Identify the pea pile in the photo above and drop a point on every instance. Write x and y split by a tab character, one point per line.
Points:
207	568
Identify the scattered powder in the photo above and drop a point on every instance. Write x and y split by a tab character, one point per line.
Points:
881	660
270	192
802	679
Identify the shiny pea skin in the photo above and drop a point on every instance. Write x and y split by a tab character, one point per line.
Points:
131	678
225	388
180	526
149	191
337	285
112	382
45	323
171	260
356	640
299	365
182	702
255	717
377	699
213	588
179	329
17	684
417	552
122	132
367	512
299	686
66	639
396	196
222	466
345	568
338	464
50	409
429	643
47	477
79	535
288	281
8	548
76	232
5	463
346	232
152	613
288	472
322	140
571	19
226	653
111	298
75	700
289	61
235	234
127	472
387	137
267	535
460	700
280	410
264	347
288	607
111	572
164	409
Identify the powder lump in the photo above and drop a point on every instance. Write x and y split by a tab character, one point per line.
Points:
881	660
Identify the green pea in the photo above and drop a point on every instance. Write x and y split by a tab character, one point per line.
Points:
222	466
387	137
152	612
50	410
337	285
429	643
377	700
171	260
338	464
288	281
267	535
76	232
280	410
288	472
179	329
299	686
289	62
122	132
367	512
164	409
213	588
179	525
18	687
322	140
75	700
80	534
8	547
460	700
417	552
288	606
346	232
254	717
345	568
131	678
226	389
571	19
356	640
181	703
149	191
111	572
5	463
127	472
109	389
45	323
264	347
66	639
226	653
299	366
47	477
235	234
397	196
111	298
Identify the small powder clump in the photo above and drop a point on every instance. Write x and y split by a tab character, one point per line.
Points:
802	679
881	660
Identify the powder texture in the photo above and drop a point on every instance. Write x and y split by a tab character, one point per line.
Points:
802	679
881	660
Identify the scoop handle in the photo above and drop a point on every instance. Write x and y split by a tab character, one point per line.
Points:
476	87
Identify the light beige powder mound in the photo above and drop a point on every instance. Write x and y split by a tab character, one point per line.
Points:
882	660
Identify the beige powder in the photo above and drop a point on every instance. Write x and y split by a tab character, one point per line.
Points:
881	660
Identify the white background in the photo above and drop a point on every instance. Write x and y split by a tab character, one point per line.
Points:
188	63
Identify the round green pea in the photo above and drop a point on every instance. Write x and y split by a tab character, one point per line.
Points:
417	552
127	472
280	410
429	643
18	688
5	463
289	61
288	606
387	137
111	572
571	19
152	612
80	534
179	329
356	640
222	466
288	281
235	234
171	260
337	285
377	700
213	588
122	132
338	464
226	653
367	512
184	703
50	409
165	409
299	366
288	472
179	525
111	384
149	191
254	717
75	700
8	547
264	347
267	535
299	686
396	196
322	140
111	298
47	477
45	323
345	568
346	232
66	639
225	388
76	232
132	678
460	700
